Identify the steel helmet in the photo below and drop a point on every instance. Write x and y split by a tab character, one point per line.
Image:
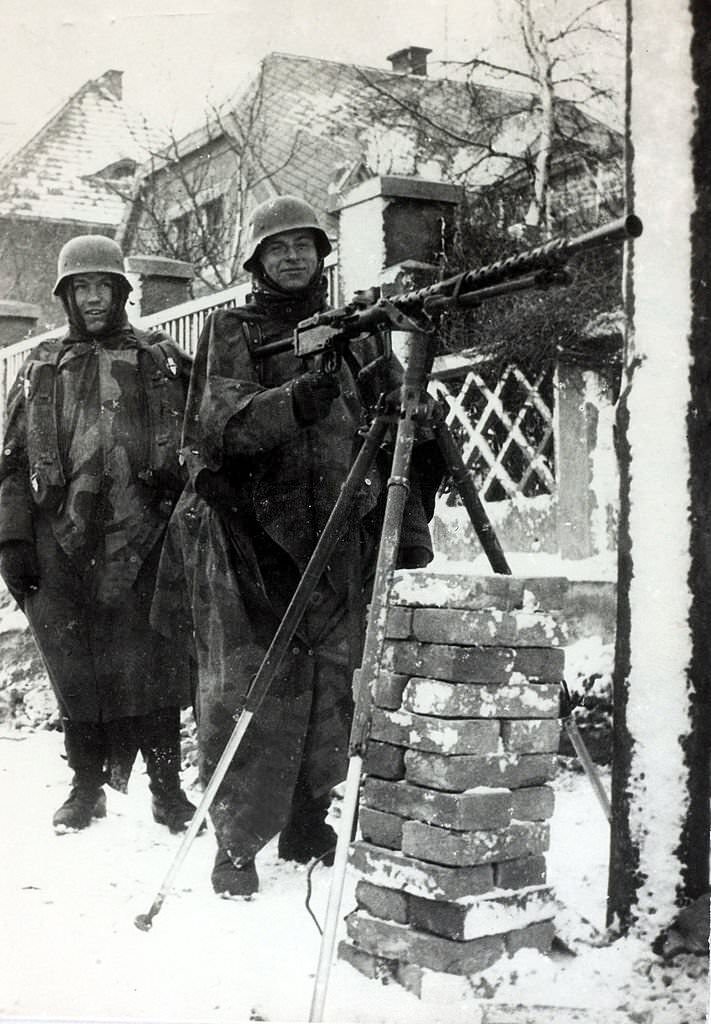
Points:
90	254
284	213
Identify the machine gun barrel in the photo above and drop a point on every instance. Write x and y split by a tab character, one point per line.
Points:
551	256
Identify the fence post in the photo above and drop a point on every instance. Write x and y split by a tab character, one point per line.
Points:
586	469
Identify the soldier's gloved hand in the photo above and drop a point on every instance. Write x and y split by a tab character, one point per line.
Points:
312	394
19	567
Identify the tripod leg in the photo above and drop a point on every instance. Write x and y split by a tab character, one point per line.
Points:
277	649
398	488
461	477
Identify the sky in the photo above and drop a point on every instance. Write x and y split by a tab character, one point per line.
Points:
176	52
179	56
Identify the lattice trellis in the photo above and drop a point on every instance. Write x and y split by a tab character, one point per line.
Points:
504	426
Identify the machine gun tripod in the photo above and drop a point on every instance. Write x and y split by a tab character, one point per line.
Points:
410	410
405	412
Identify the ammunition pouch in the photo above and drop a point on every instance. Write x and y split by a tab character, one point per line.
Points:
165	398
47	480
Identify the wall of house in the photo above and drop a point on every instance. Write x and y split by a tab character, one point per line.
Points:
207	173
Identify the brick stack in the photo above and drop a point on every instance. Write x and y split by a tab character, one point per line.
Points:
454	806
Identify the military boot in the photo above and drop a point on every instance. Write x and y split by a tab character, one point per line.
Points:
84	746
306	834
161	751
81	806
232	878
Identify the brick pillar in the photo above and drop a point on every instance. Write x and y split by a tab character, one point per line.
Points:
455	802
17	320
158	282
392	222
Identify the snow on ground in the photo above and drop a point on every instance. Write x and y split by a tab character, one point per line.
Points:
70	950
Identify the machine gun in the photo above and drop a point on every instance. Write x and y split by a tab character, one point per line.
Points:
325	336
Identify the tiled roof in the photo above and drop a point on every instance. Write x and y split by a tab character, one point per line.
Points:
333	116
53	176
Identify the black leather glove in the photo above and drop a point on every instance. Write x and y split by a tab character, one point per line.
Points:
312	394
19	567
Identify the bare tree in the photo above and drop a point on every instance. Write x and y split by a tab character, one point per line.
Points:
189	199
558	45
523	123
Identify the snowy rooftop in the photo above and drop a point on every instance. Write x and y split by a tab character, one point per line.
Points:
72	167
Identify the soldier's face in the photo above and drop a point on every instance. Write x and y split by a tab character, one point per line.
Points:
290	258
93	295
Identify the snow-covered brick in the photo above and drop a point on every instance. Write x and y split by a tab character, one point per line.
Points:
545	592
532	803
377	968
538	935
396	870
438	735
482	915
447	590
398	625
477	700
479	847
477	664
379	901
459	773
388	688
434	987
486	627
381	828
384	761
399	942
531	736
467	810
520	872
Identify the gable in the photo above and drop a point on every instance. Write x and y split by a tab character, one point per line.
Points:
69	170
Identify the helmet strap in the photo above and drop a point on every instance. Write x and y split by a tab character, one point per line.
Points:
120	291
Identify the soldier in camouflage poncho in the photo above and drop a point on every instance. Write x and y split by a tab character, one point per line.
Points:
89	476
268	447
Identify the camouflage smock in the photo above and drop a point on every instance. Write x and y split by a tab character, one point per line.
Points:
237	545
82	487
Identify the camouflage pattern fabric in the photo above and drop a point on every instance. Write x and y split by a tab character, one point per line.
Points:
98	548
237	544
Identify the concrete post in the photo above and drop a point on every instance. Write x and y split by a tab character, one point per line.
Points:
17	320
586	465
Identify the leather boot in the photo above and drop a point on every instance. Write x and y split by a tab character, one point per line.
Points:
84	745
230	878
160	746
306	834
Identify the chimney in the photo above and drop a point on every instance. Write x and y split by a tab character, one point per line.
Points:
410	61
112	80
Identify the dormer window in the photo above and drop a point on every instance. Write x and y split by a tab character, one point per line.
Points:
118	170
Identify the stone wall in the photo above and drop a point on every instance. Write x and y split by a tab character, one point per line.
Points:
455	802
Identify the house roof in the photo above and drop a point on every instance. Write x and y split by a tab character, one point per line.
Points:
321	121
70	169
